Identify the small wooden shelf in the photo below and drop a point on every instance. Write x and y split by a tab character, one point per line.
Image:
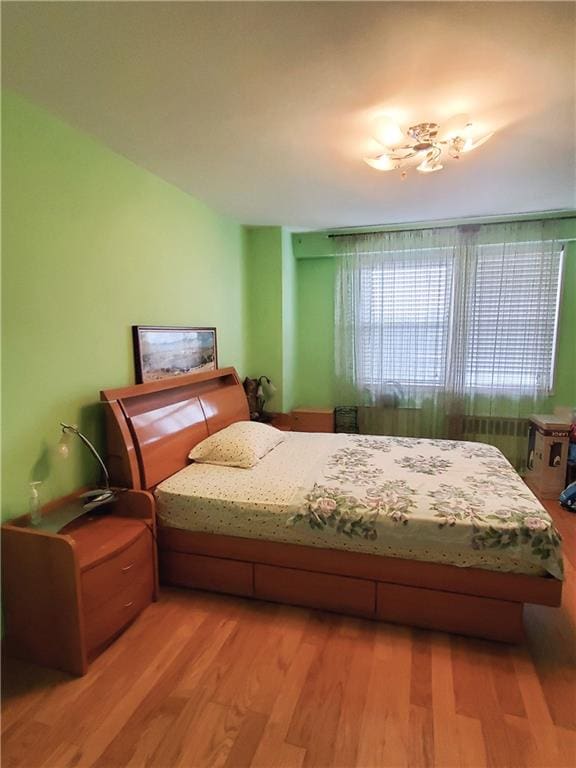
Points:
69	593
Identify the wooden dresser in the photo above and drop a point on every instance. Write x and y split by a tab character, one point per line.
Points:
68	594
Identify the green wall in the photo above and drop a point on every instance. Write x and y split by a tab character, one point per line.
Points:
314	378
271	311
316	272
289	322
565	384
264	307
91	245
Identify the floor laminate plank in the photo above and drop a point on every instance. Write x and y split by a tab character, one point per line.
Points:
537	710
266	666
421	737
274	737
131	750
471	747
315	721
211	737
274	751
384	736
505	681
354	697
247	740
525	751
24	689
66	756
320	625
179	739
421	671
27	745
566	742
477	696
446	749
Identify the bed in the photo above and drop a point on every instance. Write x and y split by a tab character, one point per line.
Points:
436	534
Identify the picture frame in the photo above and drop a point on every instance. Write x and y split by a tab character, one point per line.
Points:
164	351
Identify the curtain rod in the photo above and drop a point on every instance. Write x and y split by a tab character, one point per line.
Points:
470	225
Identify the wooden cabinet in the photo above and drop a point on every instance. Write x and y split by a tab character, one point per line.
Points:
282	421
68	594
313	420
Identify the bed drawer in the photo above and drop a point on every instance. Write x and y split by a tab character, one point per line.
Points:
214	574
118	572
118	611
317	590
450	612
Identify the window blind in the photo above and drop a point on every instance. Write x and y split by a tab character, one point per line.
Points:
406	318
512	314
412	329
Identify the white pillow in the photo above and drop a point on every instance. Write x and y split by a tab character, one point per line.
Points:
242	444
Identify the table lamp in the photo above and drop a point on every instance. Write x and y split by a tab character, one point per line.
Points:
98	496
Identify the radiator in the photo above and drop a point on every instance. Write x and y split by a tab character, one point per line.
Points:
493	426
346	419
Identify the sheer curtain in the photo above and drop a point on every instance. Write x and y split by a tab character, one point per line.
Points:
436	326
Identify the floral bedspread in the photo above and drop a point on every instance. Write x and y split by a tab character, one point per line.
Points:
419	495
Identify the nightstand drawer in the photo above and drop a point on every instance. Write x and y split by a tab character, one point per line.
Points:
106	621
313	420
118	572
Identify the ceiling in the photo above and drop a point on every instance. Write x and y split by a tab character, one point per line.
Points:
264	110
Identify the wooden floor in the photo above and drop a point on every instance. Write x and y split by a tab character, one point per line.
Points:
204	680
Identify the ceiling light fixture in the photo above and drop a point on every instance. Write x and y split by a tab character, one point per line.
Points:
427	144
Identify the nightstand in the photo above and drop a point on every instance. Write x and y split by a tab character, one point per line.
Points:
313	420
281	421
68	594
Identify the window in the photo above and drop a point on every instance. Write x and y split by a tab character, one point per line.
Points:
488	321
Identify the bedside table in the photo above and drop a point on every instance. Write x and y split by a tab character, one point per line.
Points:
282	421
67	595
313	419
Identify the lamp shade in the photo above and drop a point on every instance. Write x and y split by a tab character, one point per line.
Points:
268	389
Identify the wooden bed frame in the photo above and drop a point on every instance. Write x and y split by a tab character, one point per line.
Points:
152	427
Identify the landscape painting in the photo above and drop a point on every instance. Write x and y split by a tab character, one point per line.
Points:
161	352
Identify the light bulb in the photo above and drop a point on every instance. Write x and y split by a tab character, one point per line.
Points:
471	144
268	389
455	126
381	163
387	132
63	448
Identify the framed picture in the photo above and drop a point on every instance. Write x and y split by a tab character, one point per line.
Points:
160	352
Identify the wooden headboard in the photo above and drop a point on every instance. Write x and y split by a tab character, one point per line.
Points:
152	427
